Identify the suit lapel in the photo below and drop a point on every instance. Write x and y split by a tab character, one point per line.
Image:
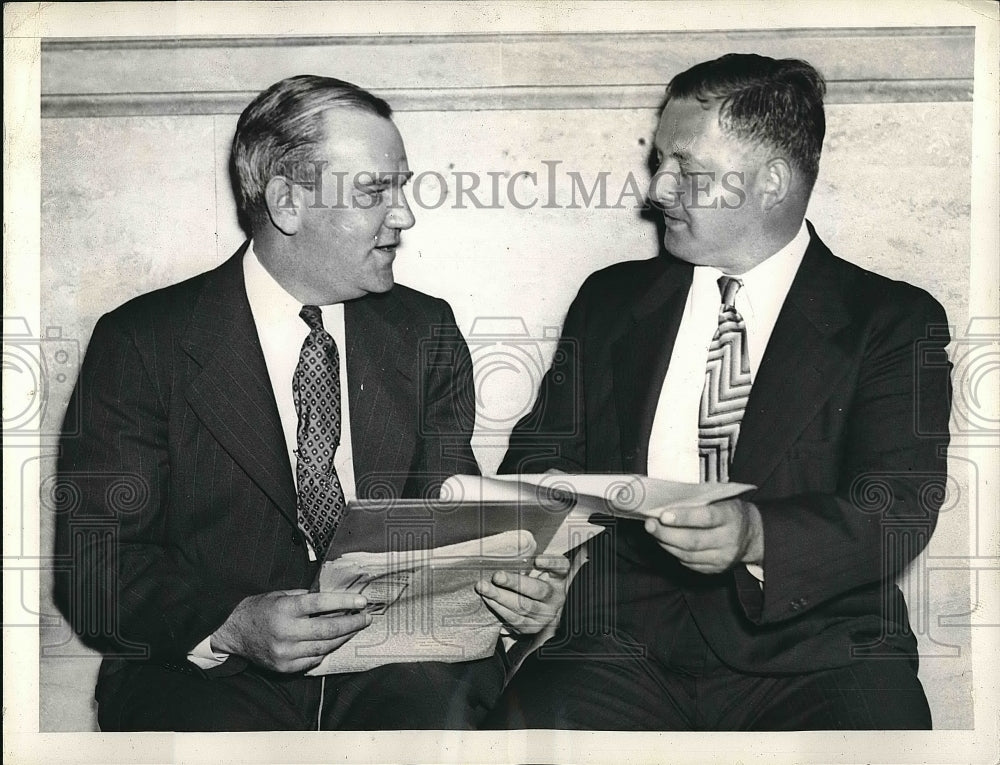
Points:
232	393
640	357
802	364
382	378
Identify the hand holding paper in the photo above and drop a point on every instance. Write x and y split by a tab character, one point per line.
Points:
446	601
423	603
710	538
291	630
526	604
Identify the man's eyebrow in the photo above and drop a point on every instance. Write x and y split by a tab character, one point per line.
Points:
384	179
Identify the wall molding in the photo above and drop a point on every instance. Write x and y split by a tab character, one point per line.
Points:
116	77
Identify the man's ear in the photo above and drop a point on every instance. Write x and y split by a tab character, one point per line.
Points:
776	179
284	204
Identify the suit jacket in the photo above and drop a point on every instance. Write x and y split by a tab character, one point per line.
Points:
178	496
844	435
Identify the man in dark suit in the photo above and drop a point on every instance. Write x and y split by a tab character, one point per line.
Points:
218	447
747	353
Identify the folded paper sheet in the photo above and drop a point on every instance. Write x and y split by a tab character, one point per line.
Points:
417	561
422	602
620	495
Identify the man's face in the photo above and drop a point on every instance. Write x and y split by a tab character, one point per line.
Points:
349	229
706	186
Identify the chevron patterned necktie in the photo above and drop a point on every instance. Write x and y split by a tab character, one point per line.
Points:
727	388
316	391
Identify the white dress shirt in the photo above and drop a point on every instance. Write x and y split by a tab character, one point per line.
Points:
281	333
673	441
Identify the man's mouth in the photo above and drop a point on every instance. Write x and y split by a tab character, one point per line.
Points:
388	247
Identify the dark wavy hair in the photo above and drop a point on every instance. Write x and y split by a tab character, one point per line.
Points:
278	132
765	102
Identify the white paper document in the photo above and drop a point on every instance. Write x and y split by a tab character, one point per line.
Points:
423	603
620	495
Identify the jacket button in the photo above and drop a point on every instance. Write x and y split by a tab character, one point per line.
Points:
296	540
795	605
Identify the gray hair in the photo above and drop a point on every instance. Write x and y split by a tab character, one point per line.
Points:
278	132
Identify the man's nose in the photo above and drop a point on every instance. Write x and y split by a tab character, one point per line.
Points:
400	216
665	187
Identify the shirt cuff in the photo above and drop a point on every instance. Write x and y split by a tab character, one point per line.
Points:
203	656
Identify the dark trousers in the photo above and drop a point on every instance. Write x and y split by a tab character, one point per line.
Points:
602	688
630	656
427	695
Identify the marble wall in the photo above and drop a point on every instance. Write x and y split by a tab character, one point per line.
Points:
131	202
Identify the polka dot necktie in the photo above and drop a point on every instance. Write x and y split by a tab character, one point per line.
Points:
727	388
316	391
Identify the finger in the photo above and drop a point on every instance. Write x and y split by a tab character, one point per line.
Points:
684	556
683	538
509	616
527	586
313	655
319	649
695	516
555	565
331	627
704	561
701	549
295	666
513	601
323	602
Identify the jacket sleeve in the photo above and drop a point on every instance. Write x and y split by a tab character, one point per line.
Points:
891	478
553	434
127	591
447	407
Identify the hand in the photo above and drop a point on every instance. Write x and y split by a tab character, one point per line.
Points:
290	630
711	538
527	604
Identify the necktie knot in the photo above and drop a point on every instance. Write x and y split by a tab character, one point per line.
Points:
313	317
728	287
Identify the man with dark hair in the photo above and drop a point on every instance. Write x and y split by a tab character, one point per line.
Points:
747	353
243	409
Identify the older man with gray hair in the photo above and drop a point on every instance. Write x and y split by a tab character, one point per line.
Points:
248	406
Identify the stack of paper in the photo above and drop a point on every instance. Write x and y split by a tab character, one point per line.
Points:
421	592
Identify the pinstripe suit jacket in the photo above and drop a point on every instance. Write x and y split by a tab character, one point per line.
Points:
179	499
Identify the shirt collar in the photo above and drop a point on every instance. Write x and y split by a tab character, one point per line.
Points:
780	268
770	280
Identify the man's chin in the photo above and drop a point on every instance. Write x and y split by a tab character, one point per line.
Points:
383	283
680	247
